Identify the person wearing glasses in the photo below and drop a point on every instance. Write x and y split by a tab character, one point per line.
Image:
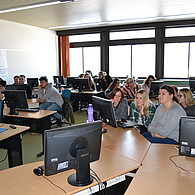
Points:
130	88
186	100
147	83
164	127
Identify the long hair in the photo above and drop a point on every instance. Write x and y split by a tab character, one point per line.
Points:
114	91
90	79
189	98
146	101
146	82
113	84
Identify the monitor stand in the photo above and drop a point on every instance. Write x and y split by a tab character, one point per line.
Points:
82	176
13	109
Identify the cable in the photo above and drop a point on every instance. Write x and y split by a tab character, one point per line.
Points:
5	157
176	164
55	184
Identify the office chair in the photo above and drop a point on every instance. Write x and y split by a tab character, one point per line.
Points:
1	110
67	93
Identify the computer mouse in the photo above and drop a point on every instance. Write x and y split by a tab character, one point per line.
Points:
12	126
38	171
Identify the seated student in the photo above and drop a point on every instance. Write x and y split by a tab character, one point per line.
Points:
50	98
108	78
2	88
108	91
186	100
142	110
147	83
120	103
130	88
164	127
81	76
101	82
16	80
91	83
28	90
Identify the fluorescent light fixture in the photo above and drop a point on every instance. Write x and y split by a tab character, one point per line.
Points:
34	6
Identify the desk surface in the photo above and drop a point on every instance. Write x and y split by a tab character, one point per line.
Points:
21	180
33	115
161	181
126	142
86	92
11	132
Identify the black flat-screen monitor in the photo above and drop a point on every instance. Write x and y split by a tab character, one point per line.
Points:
187	136
73	147
70	81
15	99
81	84
33	82
25	87
155	87
192	84
58	80
104	110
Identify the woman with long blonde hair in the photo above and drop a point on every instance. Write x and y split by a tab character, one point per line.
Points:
142	110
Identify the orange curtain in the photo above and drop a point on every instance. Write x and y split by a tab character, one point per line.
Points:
65	55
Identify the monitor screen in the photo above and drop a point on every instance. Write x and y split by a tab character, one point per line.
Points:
33	82
16	99
21	87
155	87
58	80
192	84
105	110
187	136
81	84
70	81
73	147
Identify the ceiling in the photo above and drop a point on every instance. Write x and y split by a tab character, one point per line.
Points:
90	13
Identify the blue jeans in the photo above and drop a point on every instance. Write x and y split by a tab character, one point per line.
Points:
159	140
52	106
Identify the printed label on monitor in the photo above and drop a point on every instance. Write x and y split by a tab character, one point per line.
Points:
185	143
54	159
193	151
62	165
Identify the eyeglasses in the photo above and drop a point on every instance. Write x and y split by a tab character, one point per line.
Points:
179	96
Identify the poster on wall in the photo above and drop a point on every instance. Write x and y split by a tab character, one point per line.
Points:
3	65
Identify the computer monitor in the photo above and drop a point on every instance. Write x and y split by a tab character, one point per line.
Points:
15	99
58	80
155	87
192	84
104	110
81	84
33	82
187	136
73	147
70	81
25	87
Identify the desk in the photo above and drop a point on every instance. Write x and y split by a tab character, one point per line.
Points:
126	142
85	96
21	180
11	140
37	121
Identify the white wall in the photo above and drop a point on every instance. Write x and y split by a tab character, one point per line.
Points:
30	50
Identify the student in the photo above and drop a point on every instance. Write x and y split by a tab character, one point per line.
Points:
142	110
91	83
50	98
16	80
81	76
147	83
186	100
22	80
120	103
108	78
108	91
101	82
2	88
164	127
130	88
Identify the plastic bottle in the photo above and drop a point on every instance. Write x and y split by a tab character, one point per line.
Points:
90	113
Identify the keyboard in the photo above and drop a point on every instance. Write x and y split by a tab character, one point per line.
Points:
127	124
27	109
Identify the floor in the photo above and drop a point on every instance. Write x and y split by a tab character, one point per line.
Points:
32	143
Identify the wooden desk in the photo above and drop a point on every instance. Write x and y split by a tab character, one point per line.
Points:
11	140
161	181
126	142
37	121
21	180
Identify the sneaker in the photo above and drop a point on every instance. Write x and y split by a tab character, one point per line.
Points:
53	121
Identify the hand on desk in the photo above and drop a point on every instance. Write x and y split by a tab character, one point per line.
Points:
157	135
40	101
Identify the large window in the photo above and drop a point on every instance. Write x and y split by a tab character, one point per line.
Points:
85	58
192	60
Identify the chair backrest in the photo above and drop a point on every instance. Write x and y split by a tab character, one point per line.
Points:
67	93
1	110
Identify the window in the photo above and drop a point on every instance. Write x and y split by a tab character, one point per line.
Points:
192	60
84	38
176	60
185	31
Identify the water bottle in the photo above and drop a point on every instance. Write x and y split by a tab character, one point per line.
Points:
90	113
